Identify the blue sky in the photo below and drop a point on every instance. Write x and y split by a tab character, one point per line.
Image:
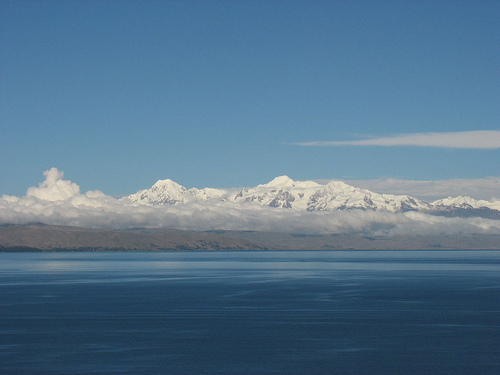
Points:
119	94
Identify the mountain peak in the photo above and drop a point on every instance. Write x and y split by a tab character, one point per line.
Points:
163	191
167	183
281	181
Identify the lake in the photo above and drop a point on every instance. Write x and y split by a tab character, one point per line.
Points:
276	312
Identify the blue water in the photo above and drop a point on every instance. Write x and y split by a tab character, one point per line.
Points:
298	312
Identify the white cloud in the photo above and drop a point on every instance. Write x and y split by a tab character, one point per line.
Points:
54	188
480	139
58	201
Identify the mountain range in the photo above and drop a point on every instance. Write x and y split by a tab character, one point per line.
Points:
281	214
285	193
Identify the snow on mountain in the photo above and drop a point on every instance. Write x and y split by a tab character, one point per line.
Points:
310	196
465	203
285	193
206	194
162	192
281	192
340	196
170	192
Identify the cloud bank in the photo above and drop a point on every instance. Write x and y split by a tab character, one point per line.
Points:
58	201
480	139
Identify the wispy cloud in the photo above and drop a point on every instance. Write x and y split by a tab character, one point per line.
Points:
480	139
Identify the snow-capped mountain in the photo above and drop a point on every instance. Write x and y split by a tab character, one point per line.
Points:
466	207
170	192
285	193
336	195
465	203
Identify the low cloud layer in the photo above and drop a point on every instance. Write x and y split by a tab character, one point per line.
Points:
59	201
480	139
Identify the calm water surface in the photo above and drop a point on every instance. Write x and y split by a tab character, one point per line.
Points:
291	312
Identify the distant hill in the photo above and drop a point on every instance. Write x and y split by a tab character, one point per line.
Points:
41	237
